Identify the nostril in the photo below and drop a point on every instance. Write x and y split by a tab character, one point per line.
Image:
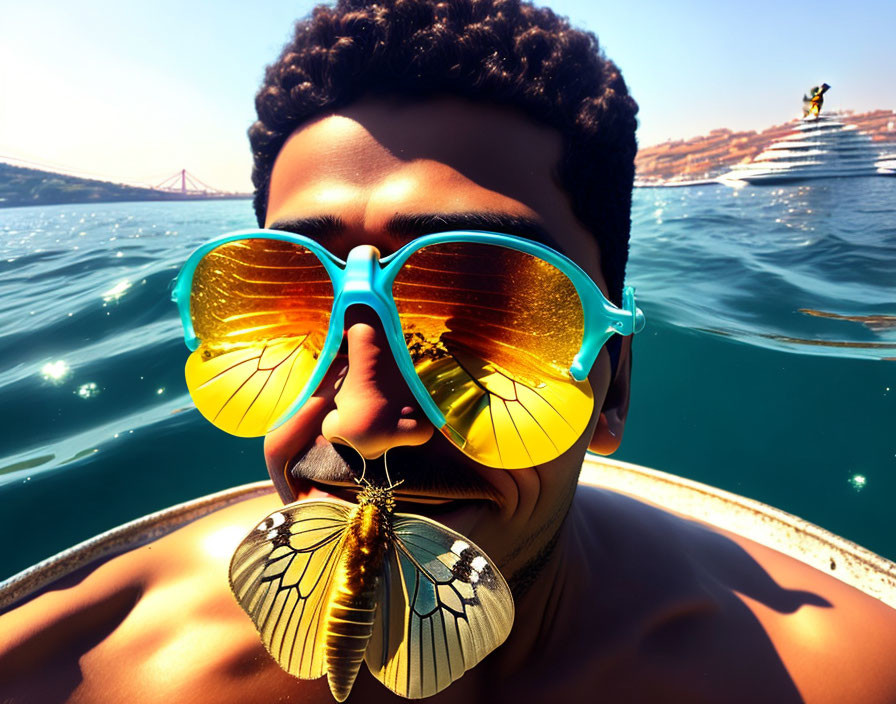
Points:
372	433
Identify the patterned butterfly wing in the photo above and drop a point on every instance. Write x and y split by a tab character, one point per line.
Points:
444	606
504	419
493	332
261	308
245	388
282	574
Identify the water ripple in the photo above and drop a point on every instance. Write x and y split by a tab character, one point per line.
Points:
750	263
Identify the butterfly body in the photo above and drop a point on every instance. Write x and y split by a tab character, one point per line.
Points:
353	601
329	584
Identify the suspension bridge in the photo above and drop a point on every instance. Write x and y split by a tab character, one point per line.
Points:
25	182
180	182
187	184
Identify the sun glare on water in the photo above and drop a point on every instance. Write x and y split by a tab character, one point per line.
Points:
117	291
55	371
858	481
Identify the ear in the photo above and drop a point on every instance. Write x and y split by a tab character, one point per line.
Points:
608	432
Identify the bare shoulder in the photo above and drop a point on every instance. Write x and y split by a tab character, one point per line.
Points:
724	602
838	643
157	623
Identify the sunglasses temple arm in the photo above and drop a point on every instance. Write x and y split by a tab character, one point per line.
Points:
625	321
634	318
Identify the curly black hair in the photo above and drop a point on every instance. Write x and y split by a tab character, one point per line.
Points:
503	52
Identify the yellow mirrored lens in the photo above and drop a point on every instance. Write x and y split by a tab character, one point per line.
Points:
260	308
492	333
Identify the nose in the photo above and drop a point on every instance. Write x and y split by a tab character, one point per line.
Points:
375	410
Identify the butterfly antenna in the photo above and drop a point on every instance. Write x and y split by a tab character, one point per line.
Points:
386	469
363	479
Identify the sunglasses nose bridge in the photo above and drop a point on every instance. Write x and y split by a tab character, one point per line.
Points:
362	283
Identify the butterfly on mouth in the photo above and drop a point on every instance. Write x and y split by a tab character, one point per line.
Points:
329	584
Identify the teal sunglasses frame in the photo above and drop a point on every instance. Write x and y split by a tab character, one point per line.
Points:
365	278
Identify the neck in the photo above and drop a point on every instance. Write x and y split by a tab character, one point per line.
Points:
552	604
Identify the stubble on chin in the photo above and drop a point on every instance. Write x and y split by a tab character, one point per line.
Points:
541	543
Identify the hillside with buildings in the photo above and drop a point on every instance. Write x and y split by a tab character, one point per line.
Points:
711	155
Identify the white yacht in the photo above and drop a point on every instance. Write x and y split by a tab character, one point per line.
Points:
819	147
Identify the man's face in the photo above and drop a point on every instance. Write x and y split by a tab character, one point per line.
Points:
345	180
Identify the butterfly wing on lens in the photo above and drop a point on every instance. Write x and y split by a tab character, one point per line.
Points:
502	419
282	574
244	389
493	333
444	606
261	309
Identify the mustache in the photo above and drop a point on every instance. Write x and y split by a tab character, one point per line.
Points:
423	469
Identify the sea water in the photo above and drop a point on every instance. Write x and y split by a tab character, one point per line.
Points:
766	367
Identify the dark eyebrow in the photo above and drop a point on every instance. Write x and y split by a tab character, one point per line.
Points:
411	226
315	227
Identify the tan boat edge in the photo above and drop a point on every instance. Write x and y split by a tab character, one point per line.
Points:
121	539
763	524
759	522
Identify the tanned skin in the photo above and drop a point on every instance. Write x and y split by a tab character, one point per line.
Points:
617	600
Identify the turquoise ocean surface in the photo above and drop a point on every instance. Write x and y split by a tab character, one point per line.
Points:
767	368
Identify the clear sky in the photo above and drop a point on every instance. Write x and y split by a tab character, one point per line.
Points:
135	91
